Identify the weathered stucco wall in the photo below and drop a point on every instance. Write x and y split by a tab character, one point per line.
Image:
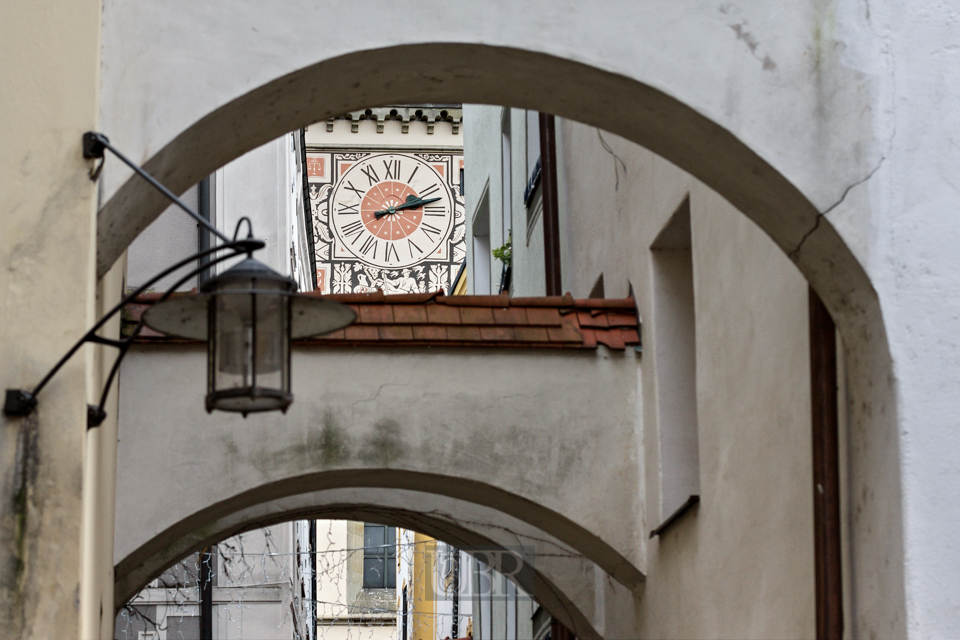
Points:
50	84
786	114
746	556
484	190
821	108
170	238
741	563
532	435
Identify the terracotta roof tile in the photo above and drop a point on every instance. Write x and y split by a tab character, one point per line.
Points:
612	339
441	314
498	334
395	332
361	332
510	316
589	338
464	334
531	334
606	303
375	314
475	301
587	319
543	317
430	333
476	315
410	314
566	300
621	320
564	334
479	321
357	298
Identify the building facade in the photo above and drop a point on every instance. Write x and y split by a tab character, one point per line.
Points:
726	428
828	126
362	164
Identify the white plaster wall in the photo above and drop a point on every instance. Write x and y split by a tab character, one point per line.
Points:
482	175
553	433
171	238
263	185
529	269
333	553
852	102
741	565
482	147
259	185
826	58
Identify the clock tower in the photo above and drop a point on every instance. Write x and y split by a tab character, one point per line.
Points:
386	199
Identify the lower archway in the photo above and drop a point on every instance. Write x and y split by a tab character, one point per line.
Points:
567	584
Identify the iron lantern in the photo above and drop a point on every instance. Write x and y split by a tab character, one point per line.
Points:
248	316
248	345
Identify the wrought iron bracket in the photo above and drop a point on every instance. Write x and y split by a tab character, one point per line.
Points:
20	402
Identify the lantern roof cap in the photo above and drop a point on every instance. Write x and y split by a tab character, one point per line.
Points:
248	268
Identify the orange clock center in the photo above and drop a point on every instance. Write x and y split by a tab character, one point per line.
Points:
393	226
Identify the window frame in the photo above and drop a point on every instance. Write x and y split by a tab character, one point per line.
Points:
385	553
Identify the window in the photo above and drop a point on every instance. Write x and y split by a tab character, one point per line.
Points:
506	175
481	247
379	557
533	141
676	365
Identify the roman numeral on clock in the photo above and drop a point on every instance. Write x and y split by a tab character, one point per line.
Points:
429	191
411	246
353	230
413	173
349	209
427	229
392	167
350	187
371	174
370	244
395	257
434	210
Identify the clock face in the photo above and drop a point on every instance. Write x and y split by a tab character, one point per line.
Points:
391	211
386	220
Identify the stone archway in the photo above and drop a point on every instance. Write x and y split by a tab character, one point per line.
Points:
505	449
570	586
755	155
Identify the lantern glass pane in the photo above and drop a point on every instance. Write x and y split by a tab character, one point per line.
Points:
272	342
249	355
234	341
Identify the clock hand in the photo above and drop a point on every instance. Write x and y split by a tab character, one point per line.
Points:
413	202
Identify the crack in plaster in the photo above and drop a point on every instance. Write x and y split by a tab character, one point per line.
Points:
795	254
616	159
377	394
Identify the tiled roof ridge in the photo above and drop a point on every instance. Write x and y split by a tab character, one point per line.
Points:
433	319
502	300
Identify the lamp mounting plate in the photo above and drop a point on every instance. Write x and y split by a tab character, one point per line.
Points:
19	402
93	144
